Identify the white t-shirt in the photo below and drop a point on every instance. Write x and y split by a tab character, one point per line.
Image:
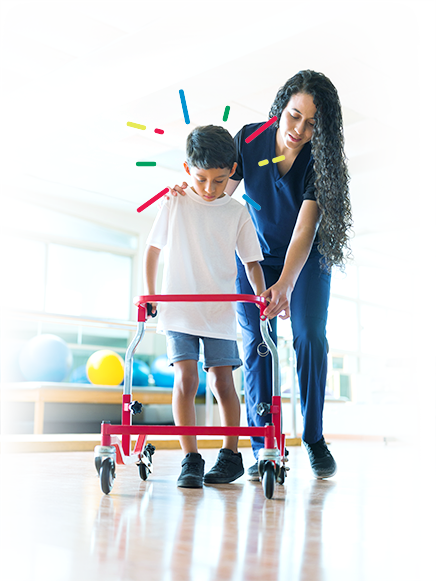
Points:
200	239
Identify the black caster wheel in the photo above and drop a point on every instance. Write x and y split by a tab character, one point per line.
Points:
268	479
143	471
97	462
107	475
281	475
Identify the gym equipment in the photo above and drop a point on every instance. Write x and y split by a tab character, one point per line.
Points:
113	450
141	371
9	365
162	373
79	375
105	367
45	358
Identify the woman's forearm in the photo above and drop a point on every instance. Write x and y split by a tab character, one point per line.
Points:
301	243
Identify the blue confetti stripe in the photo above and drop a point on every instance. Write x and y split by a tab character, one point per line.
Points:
184	107
250	201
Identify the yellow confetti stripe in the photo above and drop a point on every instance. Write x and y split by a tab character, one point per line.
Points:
279	158
263	162
135	125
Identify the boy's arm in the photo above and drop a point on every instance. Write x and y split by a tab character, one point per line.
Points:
255	276
151	262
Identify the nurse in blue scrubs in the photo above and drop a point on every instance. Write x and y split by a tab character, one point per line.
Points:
303	227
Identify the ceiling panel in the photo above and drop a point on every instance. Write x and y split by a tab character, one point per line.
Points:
351	75
420	81
12	11
415	121
369	136
382	99
10	81
66	30
350	117
402	57
28	58
128	15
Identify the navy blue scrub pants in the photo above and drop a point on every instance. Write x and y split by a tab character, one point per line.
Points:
309	305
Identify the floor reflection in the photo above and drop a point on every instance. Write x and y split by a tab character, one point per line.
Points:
311	562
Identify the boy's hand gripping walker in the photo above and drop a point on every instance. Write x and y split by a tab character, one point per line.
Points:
272	457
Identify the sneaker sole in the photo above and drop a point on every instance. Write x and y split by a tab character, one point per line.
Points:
216	480
327	475
189	484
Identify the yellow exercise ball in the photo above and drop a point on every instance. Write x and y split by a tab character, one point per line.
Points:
105	367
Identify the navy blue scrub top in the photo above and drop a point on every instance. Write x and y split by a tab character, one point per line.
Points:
280	198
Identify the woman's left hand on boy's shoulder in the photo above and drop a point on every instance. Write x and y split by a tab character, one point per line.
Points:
177	190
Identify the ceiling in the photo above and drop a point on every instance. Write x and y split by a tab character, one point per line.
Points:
74	73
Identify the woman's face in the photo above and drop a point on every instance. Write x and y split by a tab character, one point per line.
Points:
297	121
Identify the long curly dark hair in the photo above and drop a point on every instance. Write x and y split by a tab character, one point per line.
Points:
330	163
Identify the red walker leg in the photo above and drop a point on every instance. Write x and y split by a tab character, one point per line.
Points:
126	421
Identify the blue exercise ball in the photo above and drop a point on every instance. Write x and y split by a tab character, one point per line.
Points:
9	366
45	358
140	374
79	375
162	373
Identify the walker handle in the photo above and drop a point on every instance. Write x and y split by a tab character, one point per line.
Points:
142	300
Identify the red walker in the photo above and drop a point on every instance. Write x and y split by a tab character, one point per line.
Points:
272	457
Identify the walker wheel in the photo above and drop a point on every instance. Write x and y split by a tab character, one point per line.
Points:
268	479
281	475
107	475
97	462
143	471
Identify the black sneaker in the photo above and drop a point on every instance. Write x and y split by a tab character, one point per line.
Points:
322	462
192	472
253	472
228	467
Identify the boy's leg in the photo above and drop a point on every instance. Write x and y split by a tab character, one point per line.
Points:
223	388
184	390
221	357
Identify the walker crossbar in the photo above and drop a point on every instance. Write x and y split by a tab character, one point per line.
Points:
142	300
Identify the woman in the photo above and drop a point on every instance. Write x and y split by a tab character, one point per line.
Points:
303	227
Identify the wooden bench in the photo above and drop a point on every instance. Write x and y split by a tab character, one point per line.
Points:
40	393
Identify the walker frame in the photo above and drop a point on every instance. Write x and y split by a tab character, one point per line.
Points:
115	450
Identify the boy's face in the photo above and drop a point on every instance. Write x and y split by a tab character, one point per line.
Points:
209	184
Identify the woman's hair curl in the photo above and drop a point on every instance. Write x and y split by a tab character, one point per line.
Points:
330	163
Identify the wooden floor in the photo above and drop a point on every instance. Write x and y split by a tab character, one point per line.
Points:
373	521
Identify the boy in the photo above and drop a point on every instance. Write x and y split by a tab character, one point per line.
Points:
201	232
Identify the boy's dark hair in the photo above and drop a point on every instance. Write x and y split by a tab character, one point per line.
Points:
210	146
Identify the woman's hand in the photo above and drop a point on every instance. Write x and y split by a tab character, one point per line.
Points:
279	297
177	190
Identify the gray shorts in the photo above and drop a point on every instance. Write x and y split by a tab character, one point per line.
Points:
217	352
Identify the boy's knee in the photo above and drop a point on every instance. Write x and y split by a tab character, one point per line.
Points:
186	380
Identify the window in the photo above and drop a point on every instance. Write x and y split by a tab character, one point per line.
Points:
87	282
342	325
386	287
24	264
